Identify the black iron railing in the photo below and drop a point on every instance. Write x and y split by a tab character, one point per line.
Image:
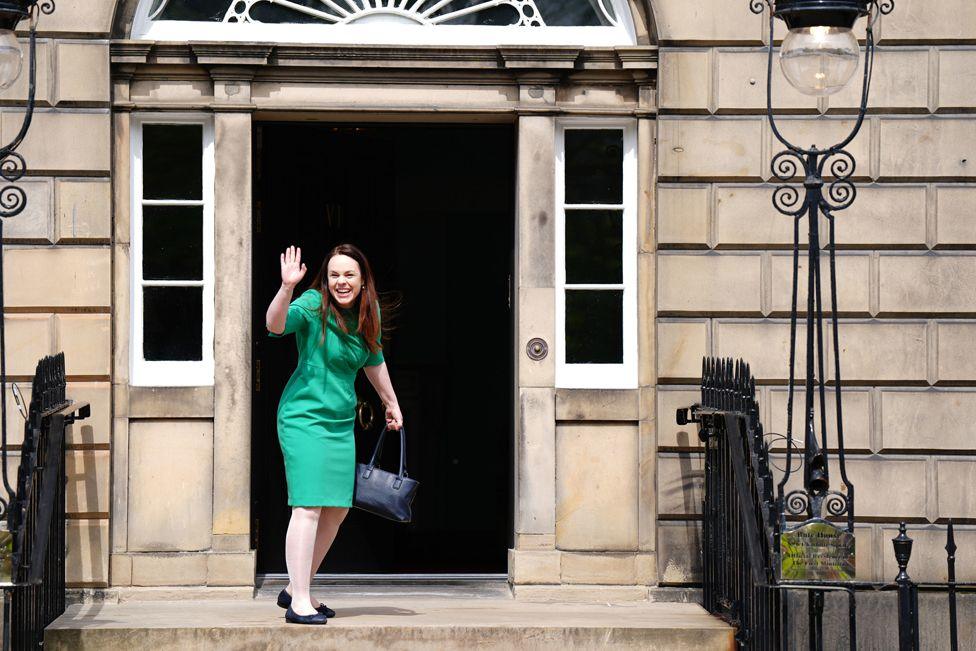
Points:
738	517
742	521
34	581
909	613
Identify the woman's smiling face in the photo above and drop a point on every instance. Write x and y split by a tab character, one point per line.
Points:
345	280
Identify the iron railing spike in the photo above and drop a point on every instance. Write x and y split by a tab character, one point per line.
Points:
951	576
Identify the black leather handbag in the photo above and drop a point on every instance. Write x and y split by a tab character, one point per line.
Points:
383	493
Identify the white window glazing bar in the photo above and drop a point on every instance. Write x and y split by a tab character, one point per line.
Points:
173	202
593	206
173	283
609	376
171	373
593	287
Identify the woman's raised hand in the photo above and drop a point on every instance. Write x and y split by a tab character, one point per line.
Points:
292	269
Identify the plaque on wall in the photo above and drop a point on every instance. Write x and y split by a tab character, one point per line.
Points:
6	557
816	550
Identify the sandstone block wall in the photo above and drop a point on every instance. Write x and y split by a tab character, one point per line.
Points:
907	271
58	259
907	266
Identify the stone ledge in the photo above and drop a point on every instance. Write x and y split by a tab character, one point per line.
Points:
597	404
115	595
171	402
601	594
180	571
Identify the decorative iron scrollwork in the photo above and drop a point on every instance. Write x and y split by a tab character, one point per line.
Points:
835	503
797	502
786	198
786	166
800	503
841	192
12	167
839	162
759	6
13	200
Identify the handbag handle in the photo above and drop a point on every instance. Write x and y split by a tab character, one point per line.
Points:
378	451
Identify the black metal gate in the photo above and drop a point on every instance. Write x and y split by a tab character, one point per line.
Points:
33	553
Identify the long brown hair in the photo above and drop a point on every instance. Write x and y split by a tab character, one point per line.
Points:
369	318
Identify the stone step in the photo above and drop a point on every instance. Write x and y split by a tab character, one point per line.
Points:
389	619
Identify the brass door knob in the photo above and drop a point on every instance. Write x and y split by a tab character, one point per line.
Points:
365	414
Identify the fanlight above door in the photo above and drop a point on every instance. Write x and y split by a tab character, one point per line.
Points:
583	22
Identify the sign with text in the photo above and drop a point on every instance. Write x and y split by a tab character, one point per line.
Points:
816	550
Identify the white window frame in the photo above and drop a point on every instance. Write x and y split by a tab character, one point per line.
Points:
599	376
377	33
171	373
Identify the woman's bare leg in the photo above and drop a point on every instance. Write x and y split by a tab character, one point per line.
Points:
328	527
332	517
299	549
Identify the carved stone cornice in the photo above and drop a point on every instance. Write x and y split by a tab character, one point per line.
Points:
231	73
237	54
541	58
131	51
172	54
390	57
640	57
599	59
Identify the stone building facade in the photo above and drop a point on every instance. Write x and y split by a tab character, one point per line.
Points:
606	488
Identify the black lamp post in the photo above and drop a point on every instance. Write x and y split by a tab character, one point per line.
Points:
818	57
13	199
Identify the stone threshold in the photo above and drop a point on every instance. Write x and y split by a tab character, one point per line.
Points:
268	588
422	619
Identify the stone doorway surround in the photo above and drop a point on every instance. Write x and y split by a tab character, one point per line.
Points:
180	511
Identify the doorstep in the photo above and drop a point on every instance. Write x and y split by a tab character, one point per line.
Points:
391	617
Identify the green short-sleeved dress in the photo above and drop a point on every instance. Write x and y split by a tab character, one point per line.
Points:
316	413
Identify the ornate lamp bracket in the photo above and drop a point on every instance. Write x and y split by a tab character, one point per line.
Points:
13	199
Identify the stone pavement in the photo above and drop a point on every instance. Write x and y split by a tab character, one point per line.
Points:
389	618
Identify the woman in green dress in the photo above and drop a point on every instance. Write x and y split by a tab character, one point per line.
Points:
336	324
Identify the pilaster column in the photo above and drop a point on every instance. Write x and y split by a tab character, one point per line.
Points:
535	487
232	327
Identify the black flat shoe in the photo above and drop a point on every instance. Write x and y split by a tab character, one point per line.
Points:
293	618
284	600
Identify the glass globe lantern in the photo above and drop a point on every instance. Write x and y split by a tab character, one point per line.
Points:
820	54
11	56
819	60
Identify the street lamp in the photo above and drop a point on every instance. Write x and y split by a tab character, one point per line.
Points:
13	200
818	57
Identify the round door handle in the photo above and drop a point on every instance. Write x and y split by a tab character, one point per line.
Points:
365	414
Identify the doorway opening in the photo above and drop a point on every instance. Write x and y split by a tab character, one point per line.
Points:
433	208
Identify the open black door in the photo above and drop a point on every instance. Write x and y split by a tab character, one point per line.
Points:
433	208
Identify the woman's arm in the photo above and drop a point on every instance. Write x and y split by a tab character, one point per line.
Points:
292	272
379	377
